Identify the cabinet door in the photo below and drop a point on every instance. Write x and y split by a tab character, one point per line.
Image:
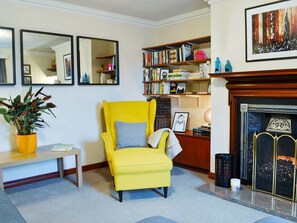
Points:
188	155
203	156
196	152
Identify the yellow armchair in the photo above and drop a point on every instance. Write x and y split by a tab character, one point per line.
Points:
135	167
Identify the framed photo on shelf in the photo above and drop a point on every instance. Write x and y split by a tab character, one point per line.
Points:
180	120
164	74
27	80
271	32
27	69
67	66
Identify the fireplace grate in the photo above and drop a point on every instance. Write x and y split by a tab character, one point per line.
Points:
274	164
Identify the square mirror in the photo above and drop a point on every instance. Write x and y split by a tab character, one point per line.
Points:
97	62
46	58
7	56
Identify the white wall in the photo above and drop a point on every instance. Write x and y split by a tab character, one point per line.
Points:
79	116
228	42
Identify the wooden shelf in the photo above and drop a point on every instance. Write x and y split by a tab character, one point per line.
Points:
106	57
106	71
172	95
262	75
179	80
176	51
52	69
187	62
200	40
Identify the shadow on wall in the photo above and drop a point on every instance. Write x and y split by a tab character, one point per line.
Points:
96	149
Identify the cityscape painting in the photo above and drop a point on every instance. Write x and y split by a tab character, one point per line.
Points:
271	31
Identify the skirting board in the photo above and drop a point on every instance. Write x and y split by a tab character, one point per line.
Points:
211	175
33	179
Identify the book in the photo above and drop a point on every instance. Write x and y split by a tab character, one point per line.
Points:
60	147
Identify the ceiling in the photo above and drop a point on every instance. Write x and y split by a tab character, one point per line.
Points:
153	10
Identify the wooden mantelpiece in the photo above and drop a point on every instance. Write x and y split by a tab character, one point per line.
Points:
258	76
273	84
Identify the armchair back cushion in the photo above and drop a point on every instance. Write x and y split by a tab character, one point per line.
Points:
131	112
131	134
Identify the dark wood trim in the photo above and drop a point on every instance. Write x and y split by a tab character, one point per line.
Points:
47	176
258	76
212	175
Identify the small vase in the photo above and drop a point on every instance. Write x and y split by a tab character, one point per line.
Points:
27	143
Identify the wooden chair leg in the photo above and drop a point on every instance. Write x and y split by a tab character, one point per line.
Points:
120	195
165	191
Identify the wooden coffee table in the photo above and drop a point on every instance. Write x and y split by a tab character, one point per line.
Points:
43	153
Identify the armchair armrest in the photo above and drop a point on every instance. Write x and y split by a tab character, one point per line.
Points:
162	142
108	145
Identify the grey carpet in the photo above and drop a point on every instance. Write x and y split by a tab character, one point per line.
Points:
8	212
59	200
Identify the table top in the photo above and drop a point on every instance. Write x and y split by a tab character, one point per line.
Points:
14	157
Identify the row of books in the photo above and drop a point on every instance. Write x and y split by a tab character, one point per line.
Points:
162	122
180	54
164	88
158	74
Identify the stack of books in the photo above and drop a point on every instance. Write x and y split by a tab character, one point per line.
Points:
203	130
60	147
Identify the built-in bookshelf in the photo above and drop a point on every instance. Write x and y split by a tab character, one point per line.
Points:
179	68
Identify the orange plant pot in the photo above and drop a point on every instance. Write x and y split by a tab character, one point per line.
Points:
27	143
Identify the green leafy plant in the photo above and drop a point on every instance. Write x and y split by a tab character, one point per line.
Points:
26	115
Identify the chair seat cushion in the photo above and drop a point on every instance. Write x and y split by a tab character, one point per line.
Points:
135	151
140	163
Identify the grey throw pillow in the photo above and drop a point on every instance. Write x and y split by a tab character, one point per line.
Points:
130	134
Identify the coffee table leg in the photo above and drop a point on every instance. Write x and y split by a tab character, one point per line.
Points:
60	167
1	179
78	170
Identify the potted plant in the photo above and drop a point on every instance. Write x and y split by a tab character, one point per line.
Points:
25	115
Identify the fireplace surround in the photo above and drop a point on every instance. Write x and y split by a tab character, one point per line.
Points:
272	86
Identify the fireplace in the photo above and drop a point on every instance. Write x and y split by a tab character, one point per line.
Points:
259	115
264	94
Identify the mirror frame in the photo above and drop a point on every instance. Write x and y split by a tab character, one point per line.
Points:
13	56
79	75
22	57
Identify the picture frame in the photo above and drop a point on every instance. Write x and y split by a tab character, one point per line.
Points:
180	121
27	69
270	31
27	80
164	74
181	88
67	66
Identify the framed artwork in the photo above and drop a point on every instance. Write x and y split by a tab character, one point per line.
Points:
67	66
27	69
271	31
180	120
181	88
27	80
163	74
